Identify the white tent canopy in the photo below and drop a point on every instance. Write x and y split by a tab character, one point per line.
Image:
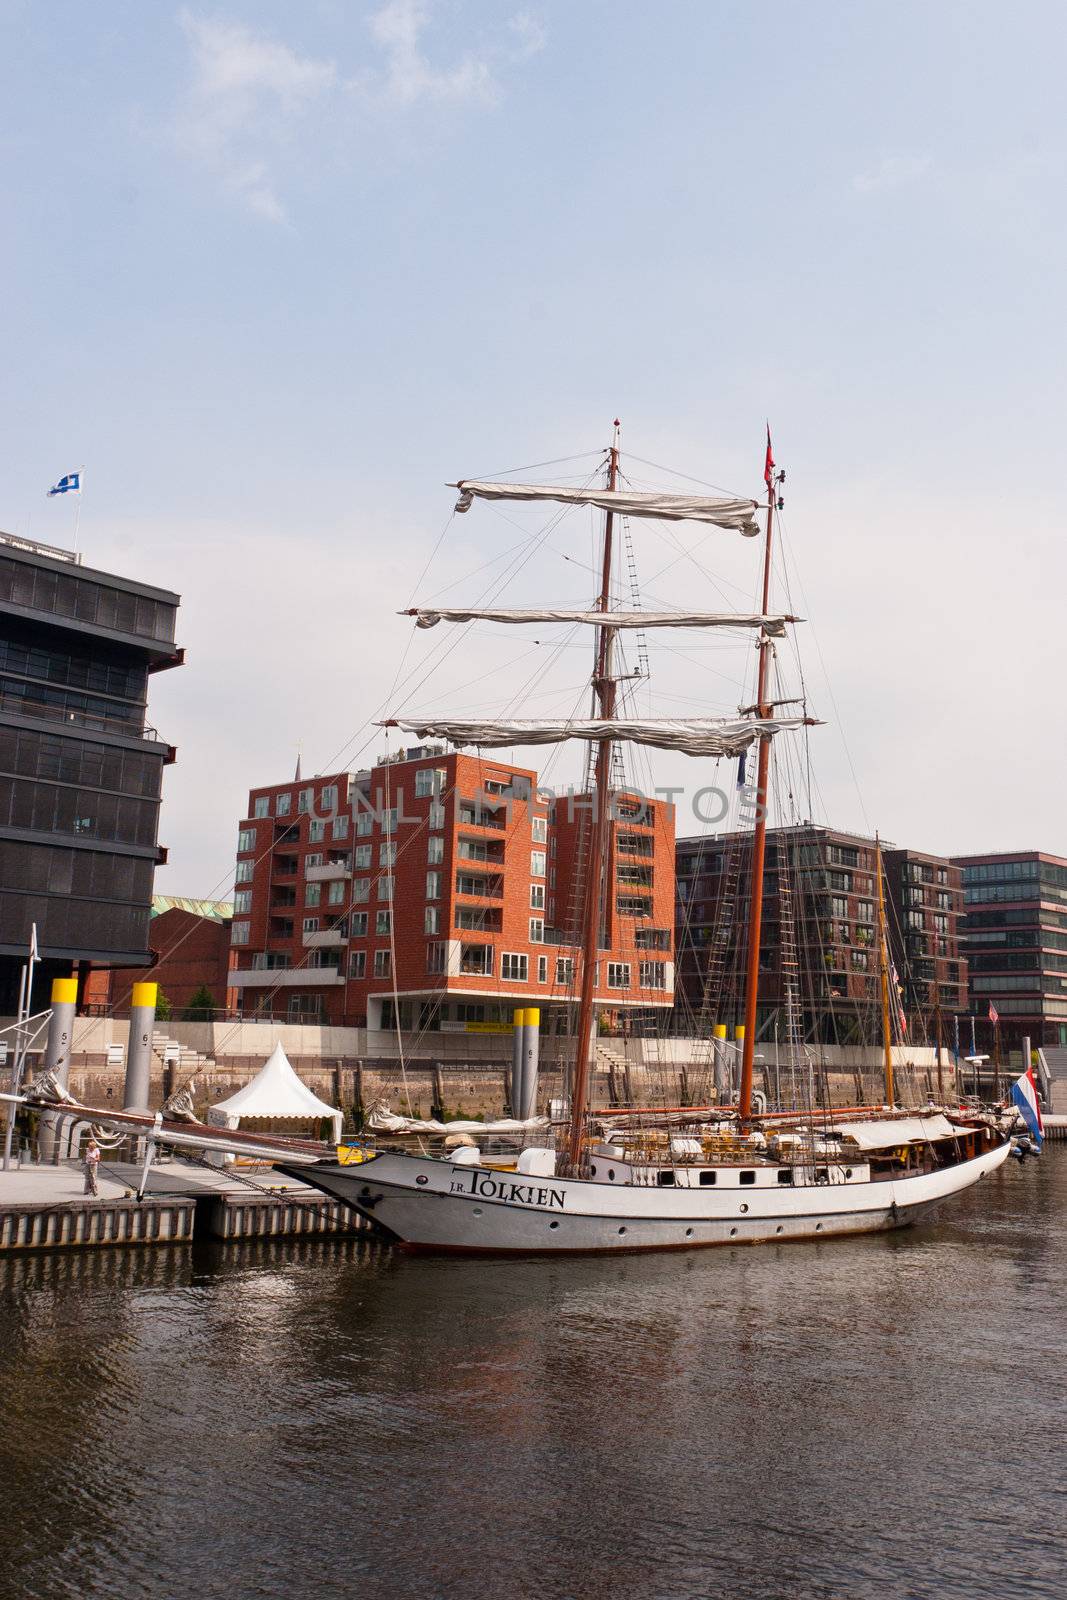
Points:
276	1092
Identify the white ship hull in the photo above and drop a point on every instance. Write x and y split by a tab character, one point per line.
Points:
432	1204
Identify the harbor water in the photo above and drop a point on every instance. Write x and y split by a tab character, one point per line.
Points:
833	1421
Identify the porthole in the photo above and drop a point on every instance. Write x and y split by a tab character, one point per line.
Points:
747	1177
848	1172
592	1170
477	1211
622	1230
553	1224
818	1227
744	1206
689	1233
422	1178
732	1232
779	1228
611	1174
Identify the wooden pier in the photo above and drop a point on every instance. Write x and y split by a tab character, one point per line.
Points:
43	1208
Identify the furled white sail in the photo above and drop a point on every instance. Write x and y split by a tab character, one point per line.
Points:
774	627
696	736
720	512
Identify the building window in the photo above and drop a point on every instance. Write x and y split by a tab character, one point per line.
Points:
340	827
860	960
316	832
389	820
436	956
246	840
239	933
361	857
303	800
653	975
313	860
537	930
311	924
542	969
537	863
360	891
261	806
382	923
429	781
618	974
435	848
328	798
387	854
839	907
437	816
244	872
336	893
385	888
312	894
565	970
358	924
383	964
242	902
537	897
283	805
433	919
364	823
433	886
357	964
514	968
539	829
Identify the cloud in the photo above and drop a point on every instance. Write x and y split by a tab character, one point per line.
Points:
409	75
249	94
529	34
892	172
245	93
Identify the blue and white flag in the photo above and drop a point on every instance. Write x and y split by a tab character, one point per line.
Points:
71	484
1024	1094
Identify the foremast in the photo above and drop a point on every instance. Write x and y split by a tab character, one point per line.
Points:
883	973
604	695
759	837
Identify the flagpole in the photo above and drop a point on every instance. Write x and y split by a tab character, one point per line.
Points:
78	507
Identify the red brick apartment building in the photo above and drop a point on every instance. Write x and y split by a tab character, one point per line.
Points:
451	882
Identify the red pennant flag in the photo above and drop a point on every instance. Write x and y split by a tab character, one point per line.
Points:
768	469
994	1014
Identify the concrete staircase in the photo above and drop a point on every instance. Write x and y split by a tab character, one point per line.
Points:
611	1060
185	1060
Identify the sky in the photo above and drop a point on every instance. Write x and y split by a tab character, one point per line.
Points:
275	275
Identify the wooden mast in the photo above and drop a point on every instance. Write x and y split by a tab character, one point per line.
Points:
759	837
604	691
883	969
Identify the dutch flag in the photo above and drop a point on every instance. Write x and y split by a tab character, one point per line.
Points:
71	484
1024	1094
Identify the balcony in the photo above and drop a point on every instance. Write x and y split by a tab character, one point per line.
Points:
487	888
325	939
284	977
329	872
472	816
481	851
476	959
636	844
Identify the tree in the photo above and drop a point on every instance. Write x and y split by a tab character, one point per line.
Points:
201	1007
162	1007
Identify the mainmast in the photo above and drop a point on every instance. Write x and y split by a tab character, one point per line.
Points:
604	692
759	838
883	970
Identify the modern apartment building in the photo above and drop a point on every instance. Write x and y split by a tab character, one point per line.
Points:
819	953
444	890
80	769
925	933
1015	939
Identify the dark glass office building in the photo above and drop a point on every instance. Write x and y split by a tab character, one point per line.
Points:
80	768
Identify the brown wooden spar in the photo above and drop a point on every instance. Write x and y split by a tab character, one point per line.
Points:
604	693
883	968
759	837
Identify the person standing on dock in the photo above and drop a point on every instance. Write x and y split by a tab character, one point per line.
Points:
91	1162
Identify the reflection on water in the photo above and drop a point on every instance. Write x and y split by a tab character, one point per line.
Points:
327	1418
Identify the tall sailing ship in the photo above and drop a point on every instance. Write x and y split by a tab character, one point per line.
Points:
717	1176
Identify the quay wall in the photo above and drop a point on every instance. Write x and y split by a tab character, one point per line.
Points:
468	1073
